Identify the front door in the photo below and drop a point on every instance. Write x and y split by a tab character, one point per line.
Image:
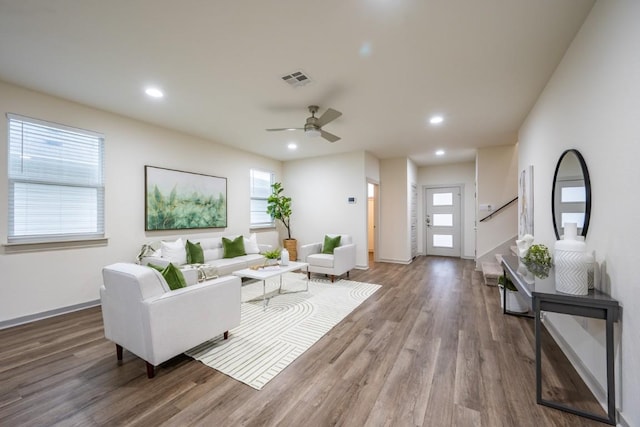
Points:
442	221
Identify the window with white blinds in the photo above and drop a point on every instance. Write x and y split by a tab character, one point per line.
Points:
56	182
260	190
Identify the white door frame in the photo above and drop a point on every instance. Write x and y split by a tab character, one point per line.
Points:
424	214
376	219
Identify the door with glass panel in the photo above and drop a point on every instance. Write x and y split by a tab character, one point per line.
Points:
442	221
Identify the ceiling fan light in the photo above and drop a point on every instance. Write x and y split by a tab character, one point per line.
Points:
312	133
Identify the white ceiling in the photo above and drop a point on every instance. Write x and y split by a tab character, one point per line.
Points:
479	63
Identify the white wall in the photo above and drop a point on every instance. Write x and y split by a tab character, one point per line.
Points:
412	180
394	239
497	183
592	103
319	188
451	174
372	167
43	280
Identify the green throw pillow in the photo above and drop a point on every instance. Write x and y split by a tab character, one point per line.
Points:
233	248
330	243
172	274
195	254
157	267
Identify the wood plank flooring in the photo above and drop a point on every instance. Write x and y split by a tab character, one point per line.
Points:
430	348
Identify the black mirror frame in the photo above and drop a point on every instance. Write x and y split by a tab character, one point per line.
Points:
587	186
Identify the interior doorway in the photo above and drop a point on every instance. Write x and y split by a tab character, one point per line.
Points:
372	220
443	220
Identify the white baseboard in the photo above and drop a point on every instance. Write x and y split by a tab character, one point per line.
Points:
395	261
46	314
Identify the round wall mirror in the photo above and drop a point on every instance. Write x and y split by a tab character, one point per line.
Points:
571	194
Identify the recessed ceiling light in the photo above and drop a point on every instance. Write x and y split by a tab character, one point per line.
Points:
154	92
365	49
436	120
292	146
440	153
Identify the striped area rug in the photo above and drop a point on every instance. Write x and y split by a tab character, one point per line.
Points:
267	341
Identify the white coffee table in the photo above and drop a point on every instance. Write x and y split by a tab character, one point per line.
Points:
269	272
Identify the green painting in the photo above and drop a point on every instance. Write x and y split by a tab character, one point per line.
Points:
183	200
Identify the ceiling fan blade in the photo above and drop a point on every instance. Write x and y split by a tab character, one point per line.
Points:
279	129
328	116
329	136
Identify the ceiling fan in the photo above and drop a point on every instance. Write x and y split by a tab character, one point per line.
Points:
313	126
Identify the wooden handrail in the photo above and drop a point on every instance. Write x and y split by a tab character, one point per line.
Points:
499	209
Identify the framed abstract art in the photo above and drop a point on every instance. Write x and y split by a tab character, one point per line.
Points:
525	202
176	200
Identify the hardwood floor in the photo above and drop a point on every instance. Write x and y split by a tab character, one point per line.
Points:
431	348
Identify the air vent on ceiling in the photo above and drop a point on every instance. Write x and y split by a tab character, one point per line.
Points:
296	79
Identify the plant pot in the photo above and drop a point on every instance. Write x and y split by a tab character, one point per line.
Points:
515	304
292	247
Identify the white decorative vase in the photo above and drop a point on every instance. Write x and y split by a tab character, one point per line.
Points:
592	266
284	257
570	263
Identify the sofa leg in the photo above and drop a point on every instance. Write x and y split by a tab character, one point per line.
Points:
119	352
151	370
226	335
308	275
347	274
333	278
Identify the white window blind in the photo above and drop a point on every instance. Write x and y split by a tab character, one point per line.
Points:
260	190
56	182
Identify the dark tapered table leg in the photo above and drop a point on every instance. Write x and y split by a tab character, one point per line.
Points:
538	333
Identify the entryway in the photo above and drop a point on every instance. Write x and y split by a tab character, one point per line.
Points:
443	220
372	219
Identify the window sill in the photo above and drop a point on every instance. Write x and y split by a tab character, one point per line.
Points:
15	247
262	227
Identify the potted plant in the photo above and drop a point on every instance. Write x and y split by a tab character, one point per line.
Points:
279	207
271	257
514	301
538	260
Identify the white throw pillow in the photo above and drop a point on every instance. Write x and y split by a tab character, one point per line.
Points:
174	252
251	244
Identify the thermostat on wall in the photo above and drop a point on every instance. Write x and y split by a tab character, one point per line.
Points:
351	200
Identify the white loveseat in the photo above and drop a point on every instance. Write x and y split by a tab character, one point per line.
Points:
163	253
339	262
141	314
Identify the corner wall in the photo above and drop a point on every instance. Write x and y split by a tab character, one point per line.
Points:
497	183
395	240
592	103
319	188
44	280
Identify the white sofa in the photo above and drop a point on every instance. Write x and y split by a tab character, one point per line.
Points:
213	256
141	314
340	262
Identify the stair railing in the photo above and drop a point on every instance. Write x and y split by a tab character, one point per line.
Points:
499	209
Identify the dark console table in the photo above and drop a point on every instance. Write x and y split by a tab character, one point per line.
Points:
541	296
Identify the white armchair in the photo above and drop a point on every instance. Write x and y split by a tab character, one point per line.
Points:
341	261
141	314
